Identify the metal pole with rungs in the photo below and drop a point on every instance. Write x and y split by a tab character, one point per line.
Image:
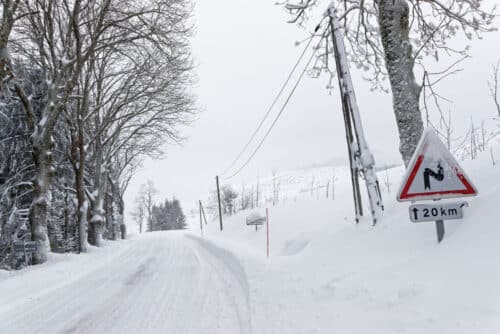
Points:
363	158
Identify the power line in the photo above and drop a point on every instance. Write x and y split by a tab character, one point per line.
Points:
274	101
280	112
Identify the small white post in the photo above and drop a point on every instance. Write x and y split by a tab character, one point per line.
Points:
267	232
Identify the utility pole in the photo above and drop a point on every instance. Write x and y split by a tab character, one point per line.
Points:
218	198
203	212
361	158
201	221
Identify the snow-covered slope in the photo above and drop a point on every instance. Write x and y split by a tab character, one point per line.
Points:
328	275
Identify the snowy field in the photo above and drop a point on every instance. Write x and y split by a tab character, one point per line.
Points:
325	274
328	275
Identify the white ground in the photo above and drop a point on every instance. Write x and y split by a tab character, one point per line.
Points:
325	273
162	283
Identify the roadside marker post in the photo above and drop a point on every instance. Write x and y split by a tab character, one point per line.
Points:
434	174
267	232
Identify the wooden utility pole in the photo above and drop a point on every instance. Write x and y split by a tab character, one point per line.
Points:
333	185
201	222
218	198
203	213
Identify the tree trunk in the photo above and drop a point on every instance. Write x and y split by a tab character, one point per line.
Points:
66	213
41	198
78	161
394	30
82	216
97	202
108	215
121	211
97	221
97	218
117	206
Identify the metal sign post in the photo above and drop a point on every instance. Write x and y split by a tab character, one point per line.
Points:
440	230
437	213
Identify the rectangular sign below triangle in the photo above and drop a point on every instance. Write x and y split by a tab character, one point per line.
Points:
433	173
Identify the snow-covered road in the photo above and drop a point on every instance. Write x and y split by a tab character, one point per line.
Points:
162	283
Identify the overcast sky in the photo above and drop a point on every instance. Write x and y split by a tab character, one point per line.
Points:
244	50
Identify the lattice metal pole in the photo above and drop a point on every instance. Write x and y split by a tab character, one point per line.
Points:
363	158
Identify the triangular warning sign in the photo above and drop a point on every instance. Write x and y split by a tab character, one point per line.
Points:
433	173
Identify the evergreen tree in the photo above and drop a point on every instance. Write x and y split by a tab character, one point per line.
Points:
168	216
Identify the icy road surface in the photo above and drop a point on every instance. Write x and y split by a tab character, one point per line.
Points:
162	283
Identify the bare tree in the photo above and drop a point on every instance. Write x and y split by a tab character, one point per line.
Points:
389	37
147	196
257	192
139	212
387	181
132	112
276	188
493	85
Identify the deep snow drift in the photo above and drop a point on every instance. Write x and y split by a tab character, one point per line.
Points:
328	275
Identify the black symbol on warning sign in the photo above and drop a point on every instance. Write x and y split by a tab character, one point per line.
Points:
439	176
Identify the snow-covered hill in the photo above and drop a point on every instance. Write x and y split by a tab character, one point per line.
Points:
328	275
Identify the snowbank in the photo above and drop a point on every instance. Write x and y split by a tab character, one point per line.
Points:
328	275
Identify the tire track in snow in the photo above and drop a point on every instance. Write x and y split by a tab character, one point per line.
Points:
233	277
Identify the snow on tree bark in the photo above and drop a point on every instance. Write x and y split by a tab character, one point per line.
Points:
97	201
394	30
41	198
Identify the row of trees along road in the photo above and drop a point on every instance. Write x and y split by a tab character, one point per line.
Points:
89	88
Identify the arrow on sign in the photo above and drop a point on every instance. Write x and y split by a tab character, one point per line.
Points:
415	213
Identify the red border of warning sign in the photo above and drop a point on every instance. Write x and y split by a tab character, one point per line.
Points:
468	191
404	194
